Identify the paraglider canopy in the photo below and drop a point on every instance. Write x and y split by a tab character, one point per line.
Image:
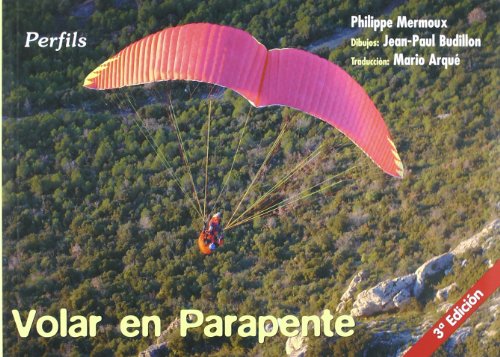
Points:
232	58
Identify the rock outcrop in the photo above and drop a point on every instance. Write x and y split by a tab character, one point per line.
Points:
476	15
174	325
395	293
483	238
384	296
351	290
430	268
402	298
458	336
160	348
157	350
442	294
296	346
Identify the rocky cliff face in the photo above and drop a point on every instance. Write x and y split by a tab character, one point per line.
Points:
394	293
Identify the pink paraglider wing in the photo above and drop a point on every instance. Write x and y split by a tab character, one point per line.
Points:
232	58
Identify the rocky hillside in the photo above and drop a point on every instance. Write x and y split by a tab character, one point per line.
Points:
392	294
433	287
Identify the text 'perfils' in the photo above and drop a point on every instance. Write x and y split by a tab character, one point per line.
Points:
65	39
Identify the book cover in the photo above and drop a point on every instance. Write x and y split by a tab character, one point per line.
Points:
250	178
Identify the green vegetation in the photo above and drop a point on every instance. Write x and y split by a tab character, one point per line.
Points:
94	222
